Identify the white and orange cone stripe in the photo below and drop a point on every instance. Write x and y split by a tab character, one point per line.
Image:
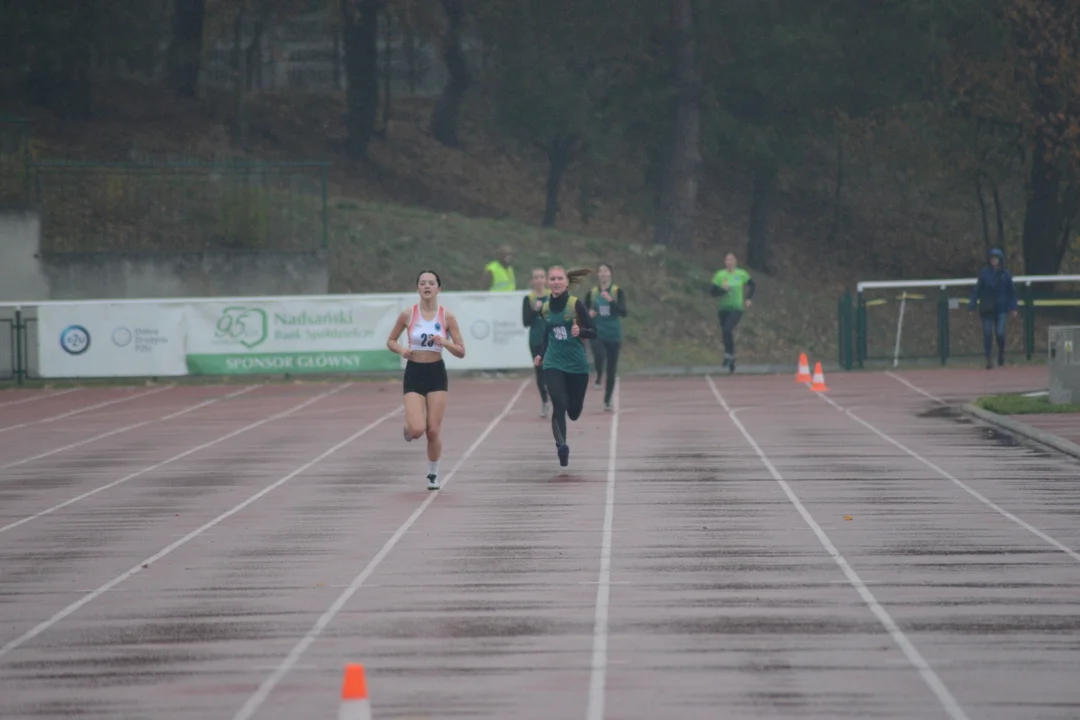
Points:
354	696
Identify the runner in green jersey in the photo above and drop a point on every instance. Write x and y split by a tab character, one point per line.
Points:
607	305
530	317
562	355
734	287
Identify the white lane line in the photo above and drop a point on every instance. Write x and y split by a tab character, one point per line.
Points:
89	597
915	387
126	428
174	458
298	650
36	398
944	696
958	482
603	584
70	413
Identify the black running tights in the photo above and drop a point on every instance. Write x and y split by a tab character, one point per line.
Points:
606	353
567	391
535	350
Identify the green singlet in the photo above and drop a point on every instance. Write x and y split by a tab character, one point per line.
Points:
608	324
564	351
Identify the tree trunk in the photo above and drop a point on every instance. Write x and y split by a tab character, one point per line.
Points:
1046	222
678	194
410	53
360	34
444	119
60	80
982	213
253	58
185	49
757	254
560	154
239	125
387	64
838	212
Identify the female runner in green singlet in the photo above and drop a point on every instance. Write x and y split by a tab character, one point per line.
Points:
607	307
562	355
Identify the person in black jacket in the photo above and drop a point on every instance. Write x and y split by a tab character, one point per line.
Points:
995	295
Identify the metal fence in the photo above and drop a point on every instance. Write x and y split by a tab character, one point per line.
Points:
126	208
894	321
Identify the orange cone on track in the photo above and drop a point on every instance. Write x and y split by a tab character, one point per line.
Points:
818	384
803	376
354	697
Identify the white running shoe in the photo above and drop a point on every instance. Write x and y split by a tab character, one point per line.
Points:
432	482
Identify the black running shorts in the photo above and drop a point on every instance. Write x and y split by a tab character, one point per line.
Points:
424	378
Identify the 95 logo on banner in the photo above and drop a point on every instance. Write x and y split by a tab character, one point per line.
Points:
75	340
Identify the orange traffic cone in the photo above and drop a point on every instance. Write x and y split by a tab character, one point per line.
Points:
819	379
803	376
354	697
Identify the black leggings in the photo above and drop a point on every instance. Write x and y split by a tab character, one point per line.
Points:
606	352
540	385
567	392
728	320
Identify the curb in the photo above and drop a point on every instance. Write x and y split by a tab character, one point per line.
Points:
1020	428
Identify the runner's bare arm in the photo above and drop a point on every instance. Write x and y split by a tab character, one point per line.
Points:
399	327
454	343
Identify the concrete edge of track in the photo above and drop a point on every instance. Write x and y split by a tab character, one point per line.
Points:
1021	428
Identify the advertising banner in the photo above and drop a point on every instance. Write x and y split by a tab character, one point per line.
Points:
494	338
297	336
105	340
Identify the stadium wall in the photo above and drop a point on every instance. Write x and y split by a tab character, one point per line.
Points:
28	274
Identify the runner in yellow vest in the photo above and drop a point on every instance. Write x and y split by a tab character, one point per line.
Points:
499	274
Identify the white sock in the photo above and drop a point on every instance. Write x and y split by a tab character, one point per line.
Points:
433	467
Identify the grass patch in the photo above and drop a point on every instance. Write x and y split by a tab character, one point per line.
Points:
672	321
1021	405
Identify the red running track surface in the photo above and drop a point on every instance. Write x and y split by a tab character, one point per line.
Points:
222	552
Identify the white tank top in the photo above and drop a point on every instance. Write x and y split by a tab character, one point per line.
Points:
422	332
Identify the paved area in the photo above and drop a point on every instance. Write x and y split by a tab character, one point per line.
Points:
734	547
1063	425
940	386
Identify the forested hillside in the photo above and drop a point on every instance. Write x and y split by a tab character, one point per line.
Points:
824	142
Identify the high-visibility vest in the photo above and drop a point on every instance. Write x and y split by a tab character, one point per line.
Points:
502	279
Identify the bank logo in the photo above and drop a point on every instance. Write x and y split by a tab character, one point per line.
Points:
121	337
247	326
480	329
75	340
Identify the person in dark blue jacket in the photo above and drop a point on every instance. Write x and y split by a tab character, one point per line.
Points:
995	296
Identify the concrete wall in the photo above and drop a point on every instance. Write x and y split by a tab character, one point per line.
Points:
26	274
21	274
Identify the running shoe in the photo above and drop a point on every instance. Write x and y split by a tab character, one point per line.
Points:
564	455
432	482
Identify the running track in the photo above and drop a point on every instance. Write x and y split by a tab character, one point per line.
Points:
735	547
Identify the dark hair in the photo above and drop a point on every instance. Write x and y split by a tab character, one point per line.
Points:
607	265
438	280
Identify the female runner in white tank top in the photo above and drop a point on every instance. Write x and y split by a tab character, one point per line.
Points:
430	329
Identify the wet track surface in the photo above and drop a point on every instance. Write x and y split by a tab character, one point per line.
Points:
222	552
